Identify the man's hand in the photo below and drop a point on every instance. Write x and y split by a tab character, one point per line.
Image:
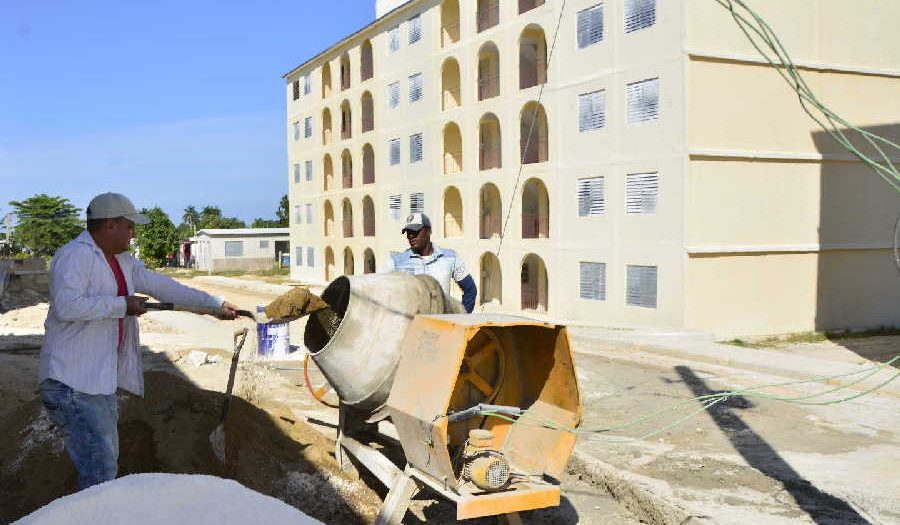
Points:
229	311
134	305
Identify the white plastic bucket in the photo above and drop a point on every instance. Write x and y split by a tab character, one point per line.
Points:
274	340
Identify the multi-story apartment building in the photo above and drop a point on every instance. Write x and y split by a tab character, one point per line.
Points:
625	163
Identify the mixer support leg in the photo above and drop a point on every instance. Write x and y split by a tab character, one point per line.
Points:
397	500
512	518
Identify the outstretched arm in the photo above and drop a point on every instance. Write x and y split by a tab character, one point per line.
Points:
470	291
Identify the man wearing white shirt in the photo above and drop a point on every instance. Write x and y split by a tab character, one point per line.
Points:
91	343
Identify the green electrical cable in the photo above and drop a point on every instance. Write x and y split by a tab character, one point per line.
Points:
785	67
710	400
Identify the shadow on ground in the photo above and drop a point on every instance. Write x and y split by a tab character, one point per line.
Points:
822	508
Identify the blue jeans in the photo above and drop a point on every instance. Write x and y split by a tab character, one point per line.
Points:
89	424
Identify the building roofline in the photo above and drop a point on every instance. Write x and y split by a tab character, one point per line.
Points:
215	232
392	12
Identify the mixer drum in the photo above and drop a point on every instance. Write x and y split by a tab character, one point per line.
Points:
360	358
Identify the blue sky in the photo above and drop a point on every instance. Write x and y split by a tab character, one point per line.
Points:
170	102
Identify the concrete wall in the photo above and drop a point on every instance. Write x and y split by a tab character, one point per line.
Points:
786	231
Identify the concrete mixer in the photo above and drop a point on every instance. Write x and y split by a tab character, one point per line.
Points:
456	387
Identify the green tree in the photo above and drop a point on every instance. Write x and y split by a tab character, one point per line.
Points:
45	223
265	223
283	211
156	239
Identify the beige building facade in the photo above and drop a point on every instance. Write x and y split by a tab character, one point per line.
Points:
625	163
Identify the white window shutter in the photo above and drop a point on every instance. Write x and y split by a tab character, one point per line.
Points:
415	29
639	14
394	148
393	94
415	87
298	256
640	289
309	213
298	217
307	86
394	39
394	206
641	193
593	281
296	131
590	26
643	101
592	111
309	170
591	198
307	127
417	202
310	256
415	147
296	173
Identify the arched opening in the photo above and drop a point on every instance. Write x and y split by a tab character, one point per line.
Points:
528	5
345	71
535	210
489	211
348	261
346	169
488	71
368	164
488	14
328	171
347	217
326	80
366	64
346	120
368	217
453	213
368	261
450	84
326	126
328	213
453	160
532	57
534	283
491	286
368	112
449	22
329	264
533	142
489	152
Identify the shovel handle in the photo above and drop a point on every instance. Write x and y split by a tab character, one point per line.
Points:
202	310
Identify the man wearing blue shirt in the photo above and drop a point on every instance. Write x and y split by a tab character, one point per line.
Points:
423	257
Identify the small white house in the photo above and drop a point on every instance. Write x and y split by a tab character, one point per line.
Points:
239	248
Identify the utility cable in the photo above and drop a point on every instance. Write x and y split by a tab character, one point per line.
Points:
534	116
707	401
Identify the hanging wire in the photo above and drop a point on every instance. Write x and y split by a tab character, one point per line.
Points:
534	115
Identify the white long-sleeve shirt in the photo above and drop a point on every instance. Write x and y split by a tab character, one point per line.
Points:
82	327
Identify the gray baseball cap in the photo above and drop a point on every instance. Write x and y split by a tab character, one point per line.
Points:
114	205
415	222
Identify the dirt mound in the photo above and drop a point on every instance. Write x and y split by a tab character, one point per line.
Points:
168	431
